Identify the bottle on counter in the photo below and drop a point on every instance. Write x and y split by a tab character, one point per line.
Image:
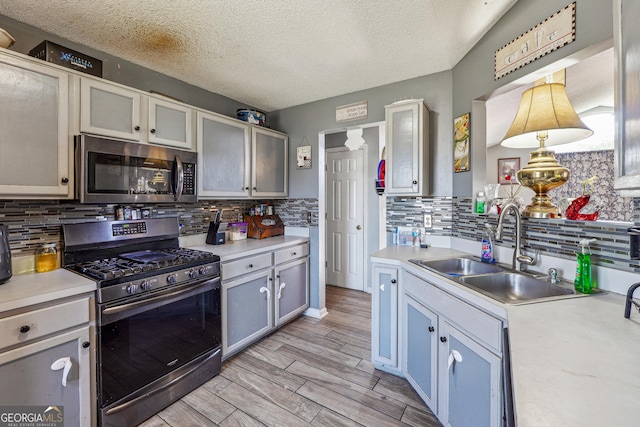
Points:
46	258
480	203
486	252
583	281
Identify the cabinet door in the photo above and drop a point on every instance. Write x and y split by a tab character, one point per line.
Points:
29	380
407	149
421	350
224	157
246	310
385	316
109	110
34	130
269	163
291	289
627	97
170	124
470	393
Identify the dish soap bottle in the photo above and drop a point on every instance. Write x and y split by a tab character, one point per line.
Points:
480	203
486	253
583	281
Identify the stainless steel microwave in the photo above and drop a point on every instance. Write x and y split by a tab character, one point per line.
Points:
112	171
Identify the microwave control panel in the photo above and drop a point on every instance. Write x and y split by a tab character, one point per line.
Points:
189	178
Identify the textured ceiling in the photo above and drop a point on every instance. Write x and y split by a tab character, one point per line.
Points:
273	54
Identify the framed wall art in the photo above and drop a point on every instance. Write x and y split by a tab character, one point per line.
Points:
461	144
507	169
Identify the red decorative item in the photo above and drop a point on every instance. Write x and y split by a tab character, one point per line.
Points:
573	211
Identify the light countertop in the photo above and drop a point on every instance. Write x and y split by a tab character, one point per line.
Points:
575	362
29	289
247	247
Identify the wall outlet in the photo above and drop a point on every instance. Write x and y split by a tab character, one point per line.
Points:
426	220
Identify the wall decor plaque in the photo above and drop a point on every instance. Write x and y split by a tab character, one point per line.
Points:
554	32
349	112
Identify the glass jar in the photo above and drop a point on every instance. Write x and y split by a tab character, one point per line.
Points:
46	258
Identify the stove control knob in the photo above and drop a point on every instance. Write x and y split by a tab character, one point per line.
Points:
132	289
172	278
145	285
193	273
203	271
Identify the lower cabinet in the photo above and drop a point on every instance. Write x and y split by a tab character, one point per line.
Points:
46	366
451	355
384	329
262	292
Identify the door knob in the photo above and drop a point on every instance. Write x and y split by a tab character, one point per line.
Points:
358	227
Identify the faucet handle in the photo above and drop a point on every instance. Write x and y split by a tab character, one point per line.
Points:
553	276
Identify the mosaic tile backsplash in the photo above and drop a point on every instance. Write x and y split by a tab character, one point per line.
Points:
34	222
551	237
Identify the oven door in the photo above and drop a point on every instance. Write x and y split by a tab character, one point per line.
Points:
111	171
142	341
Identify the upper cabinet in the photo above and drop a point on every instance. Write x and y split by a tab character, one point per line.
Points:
34	136
627	98
112	110
238	160
407	162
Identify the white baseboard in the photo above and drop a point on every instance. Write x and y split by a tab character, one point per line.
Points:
317	313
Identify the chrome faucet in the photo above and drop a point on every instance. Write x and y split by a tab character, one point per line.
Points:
518	255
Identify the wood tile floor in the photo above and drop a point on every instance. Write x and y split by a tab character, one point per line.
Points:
310	372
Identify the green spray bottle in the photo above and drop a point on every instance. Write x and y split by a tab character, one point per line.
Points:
584	281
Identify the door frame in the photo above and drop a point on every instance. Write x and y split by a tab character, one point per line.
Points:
365	224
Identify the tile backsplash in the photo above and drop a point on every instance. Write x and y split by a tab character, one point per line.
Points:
34	222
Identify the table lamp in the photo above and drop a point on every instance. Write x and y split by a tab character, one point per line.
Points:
545	117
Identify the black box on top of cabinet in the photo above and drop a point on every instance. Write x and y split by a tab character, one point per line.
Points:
56	54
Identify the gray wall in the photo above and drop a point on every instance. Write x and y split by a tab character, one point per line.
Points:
306	122
123	72
473	76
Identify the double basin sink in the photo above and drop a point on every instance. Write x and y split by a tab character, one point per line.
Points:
505	285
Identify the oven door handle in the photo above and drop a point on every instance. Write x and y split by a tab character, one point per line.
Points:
111	314
179	179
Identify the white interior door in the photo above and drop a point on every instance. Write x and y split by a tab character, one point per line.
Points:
345	219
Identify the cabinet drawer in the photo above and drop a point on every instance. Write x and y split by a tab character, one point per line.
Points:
293	252
43	322
245	265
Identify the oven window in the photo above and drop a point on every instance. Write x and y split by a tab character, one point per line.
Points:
141	348
119	174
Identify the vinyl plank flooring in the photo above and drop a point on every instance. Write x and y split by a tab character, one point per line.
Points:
367	366
255	406
350	339
154	421
182	415
216	384
240	419
417	418
311	347
401	392
280	396
328	418
355	351
293	330
266	370
270	356
209	404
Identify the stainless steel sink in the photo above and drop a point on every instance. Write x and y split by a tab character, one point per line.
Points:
513	288
458	266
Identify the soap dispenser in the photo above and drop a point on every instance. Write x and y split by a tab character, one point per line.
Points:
584	281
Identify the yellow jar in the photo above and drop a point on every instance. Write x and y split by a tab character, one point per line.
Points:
46	258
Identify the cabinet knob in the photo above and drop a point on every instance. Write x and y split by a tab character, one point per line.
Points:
393	280
293	253
415	182
86	344
246	188
250	265
136	128
152	131
24	329
443	339
64	180
431	329
255	188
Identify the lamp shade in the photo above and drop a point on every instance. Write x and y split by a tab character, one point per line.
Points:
545	107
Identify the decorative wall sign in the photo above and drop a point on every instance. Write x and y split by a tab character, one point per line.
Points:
303	157
554	32
357	111
461	143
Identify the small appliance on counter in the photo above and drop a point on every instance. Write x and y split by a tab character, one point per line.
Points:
5	254
261	227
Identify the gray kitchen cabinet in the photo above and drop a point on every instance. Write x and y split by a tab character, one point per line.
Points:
34	137
113	110
269	163
291	288
384	329
407	124
262	292
421	349
626	34
452	355
46	361
224	153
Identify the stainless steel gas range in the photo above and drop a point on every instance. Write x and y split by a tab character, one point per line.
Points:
158	314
